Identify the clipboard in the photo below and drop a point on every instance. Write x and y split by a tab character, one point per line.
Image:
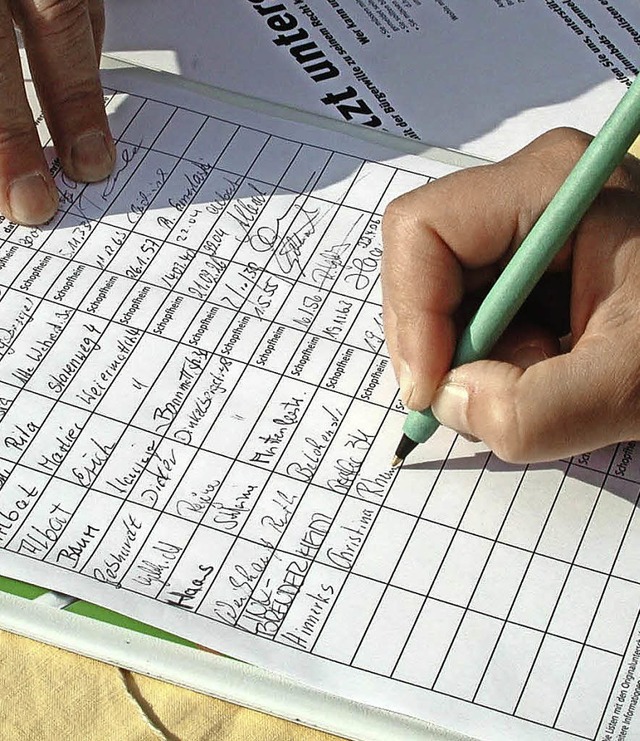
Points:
105	635
108	636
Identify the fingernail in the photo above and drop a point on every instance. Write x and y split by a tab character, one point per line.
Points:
31	201
406	383
449	406
529	355
91	157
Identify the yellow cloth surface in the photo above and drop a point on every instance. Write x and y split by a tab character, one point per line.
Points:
51	695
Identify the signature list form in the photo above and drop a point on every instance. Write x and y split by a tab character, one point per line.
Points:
197	414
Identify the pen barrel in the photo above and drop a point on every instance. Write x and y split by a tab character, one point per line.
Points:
419	426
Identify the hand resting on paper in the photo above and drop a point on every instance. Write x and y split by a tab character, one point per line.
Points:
63	40
565	377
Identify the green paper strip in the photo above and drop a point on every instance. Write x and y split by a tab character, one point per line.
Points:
20	588
86	609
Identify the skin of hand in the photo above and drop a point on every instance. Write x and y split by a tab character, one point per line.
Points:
565	377
63	41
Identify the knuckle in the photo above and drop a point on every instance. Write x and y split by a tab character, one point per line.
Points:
566	140
393	221
402	218
395	214
82	96
555	152
57	17
16	136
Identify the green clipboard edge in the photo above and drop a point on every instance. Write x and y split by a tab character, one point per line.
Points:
20	588
86	609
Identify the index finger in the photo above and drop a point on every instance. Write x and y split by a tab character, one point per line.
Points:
27	192
468	220
61	45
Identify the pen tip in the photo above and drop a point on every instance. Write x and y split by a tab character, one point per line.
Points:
405	446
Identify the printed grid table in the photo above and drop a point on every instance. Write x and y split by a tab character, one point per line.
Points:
197	407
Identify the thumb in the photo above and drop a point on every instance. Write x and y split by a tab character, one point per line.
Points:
561	406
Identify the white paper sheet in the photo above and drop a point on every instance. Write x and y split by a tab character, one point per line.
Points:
197	416
484	77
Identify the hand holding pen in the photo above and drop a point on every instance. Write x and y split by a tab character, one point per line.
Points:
565	376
